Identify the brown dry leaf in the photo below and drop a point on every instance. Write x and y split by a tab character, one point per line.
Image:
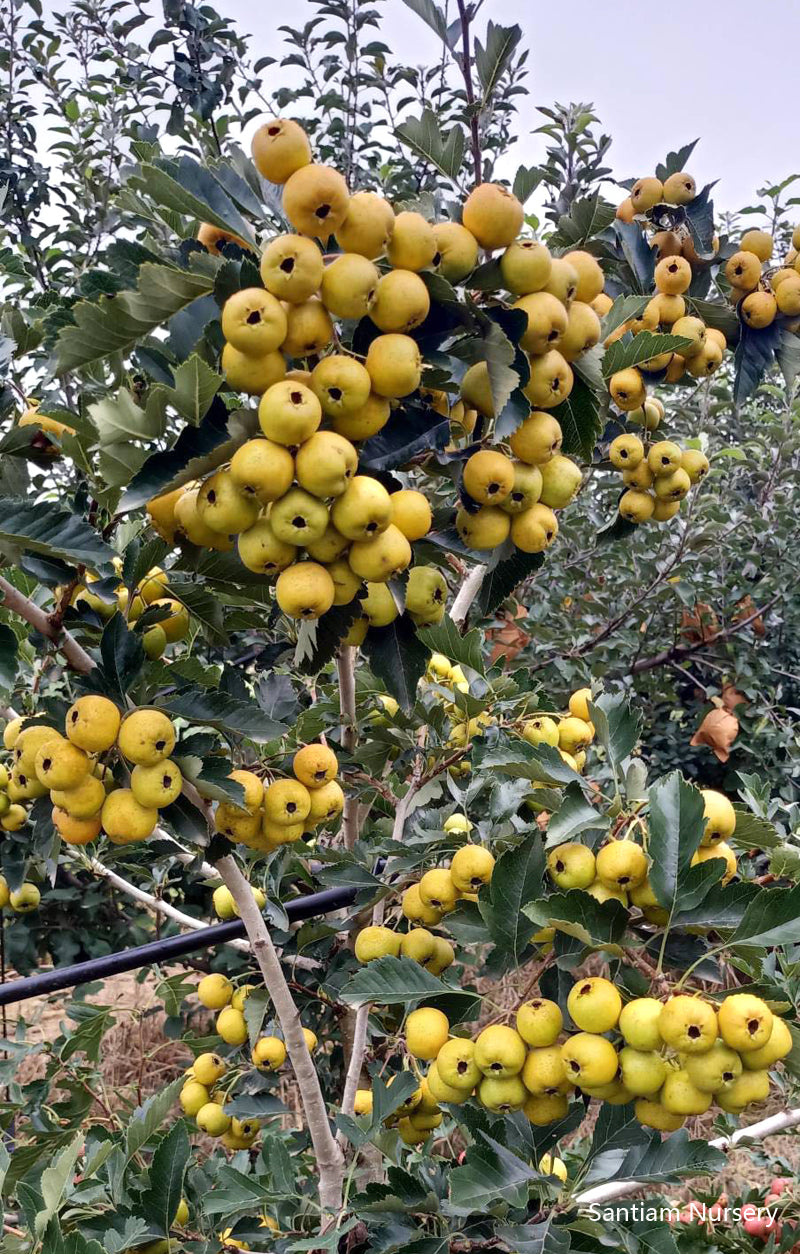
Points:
744	608
731	697
718	731
700	624
509	639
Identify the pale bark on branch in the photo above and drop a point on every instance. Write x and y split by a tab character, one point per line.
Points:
18	603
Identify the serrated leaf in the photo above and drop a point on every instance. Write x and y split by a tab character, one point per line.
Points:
623	310
574	815
447	639
9	658
391	982
586	219
114	324
700	221
581	420
254	1105
490	1174
675	162
787	355
772	918
617	725
185	187
597	924
500	581
196	385
492	61
542	764
148	1118
430	14
54	1182
88	1036
721	907
632	350
122	658
753	832
754	355
516	880
411	430
635	249
662	1160
526	180
543	1237
161	1199
423	135
226	713
676	829
50	529
205	608
397	656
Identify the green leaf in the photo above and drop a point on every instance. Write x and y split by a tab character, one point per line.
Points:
675	162
122	658
493	60
114	324
119	421
424	136
54	1182
161	1199
516	880
173	991
722	907
196	385
617	726
187	188
490	1174
447	639
574	816
585	221
676	829
9	658
398	657
254	1105
753	832
542	764
210	777
319	641
205	608
500	581
597	924
772	918
581	419
431	14
226	713
52	530
148	1118
87	1037
634	349
623	309
535	1238
391	982
787	355
526	180
661	1161
754	355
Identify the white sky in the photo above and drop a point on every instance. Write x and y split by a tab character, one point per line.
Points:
723	71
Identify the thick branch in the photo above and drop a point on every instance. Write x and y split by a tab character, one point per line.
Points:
19	604
346	671
327	1153
467	594
756	1131
677	652
356	1064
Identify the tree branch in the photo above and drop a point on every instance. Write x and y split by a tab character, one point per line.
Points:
677	652
356	1064
466	70
19	604
346	671
758	1131
328	1154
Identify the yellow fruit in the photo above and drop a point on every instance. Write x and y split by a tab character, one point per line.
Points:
542	1109
499	1052
456	251
261	551
349	286
487	528
719	815
222	507
367	226
401	301
582	333
363	511
156	786
679	189
263	470
241	995
539	731
718	850
437	890
363	1102
411	513
279	147
476	391
426	595
83	801
367	421
269	1053
506	1094
75	831
525	267
215	991
286	801
443	957
379	606
231	1026
561	479
315	199
695	464
646	193
394	364
664	510
15	817
759	309
207	1069
418	944
426	1031
594	1005
643	1071
244	373
574	733
688	1024
653	1115
544	1070
193	1097
305	590
11	733
707	361
299	518
563	280
342	386
146	737
751	1086
92	723
493	215
743	270
547	322
590	276
376	942
175	625
780	1043
309	330
589	1059
382	557
60	764
758	242
24	899
680	1097
192	526
787	294
673	275
412	245
714	1071
550	382
471	868
212	1120
622	864
124	820
488	477
639	1023
310	1040
23	786
539	1022
415	909
315	765
745	1022
550	1166
525	490
253	321
627	389
571	866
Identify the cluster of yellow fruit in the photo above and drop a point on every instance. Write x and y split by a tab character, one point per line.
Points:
517	498
723	1055
620	870
760	294
150	592
13	815
442	673
22	900
283	810
656	478
86	799
203	1100
570	733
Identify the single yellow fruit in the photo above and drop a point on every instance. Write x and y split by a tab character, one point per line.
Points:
525	266
688	1024
590	276
680	1097
488	477
437	890
215	991
653	1115
456	253
269	1053
315	199
411	513
539	1022
719	815
394	364
758	242
718	850
412	245
780	1043
83	801
193	1097
639	1023
377	942
544	1070
745	1022
24	899
499	1051
471	868
493	215
646	193
279	147
60	764
349	286
309	330
146	737
571	866
589	1059
363	511
367	226
487	528
427	1030
315	765
673	275
305	590
643	1071
714	1071
231	1026
743	271
92	723
212	1120
551	380
381	557
456	1066
341	385
124	820
594	1005
550	1166
401	301
208	1069
253	321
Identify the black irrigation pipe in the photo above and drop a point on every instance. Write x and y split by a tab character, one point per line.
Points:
164	950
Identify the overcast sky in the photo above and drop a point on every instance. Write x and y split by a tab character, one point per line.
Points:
658	77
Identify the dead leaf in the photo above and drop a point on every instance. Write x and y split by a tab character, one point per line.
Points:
509	640
731	697
700	624
718	731
744	608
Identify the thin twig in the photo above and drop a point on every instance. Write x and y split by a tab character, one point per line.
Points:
466	70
